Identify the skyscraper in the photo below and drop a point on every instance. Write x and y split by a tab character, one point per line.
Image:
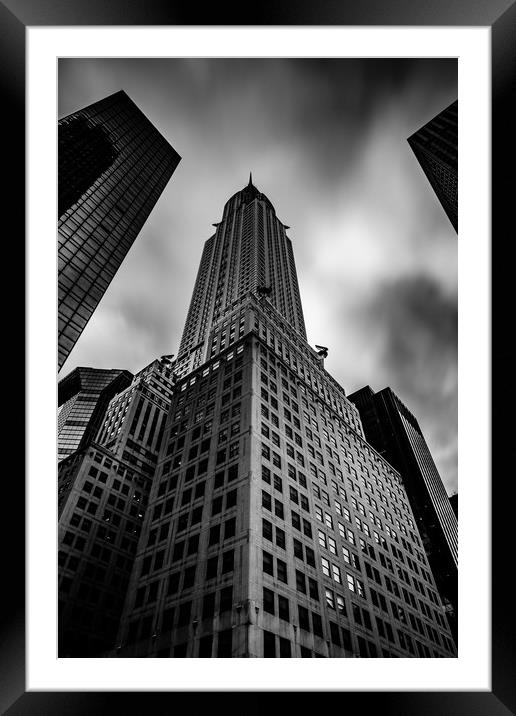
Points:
103	491
249	251
273	527
394	431
435	146
83	398
113	166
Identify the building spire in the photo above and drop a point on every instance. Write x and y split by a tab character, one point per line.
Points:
250	179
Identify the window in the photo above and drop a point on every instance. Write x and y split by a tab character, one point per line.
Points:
216	506
224	647
336	573
267	530
231	499
189	577
278	484
282	571
283	608
285	650
173	583
178	551
229	528
313	589
211	569
300	582
334	633
268	563
298	549
330	600
266	501
268	601
214	535
226	599
205	646
325	567
304	621
269	644
208	606
193	545
228	561
278	509
317	624
307	528
184	613
310	556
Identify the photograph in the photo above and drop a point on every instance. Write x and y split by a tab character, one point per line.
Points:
257	379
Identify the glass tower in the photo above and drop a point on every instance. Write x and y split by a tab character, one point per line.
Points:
113	166
274	529
435	146
83	398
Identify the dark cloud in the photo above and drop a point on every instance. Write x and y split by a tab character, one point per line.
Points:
326	141
416	322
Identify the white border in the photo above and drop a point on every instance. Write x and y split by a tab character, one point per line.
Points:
471	671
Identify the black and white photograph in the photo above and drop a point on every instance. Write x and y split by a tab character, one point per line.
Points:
257	356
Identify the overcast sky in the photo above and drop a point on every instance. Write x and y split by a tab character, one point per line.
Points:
326	141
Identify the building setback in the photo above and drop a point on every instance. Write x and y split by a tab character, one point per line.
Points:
273	528
435	146
395	433
113	166
83	398
103	492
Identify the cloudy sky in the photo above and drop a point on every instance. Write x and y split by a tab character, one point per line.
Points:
326	141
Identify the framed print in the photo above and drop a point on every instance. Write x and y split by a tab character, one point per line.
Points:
479	676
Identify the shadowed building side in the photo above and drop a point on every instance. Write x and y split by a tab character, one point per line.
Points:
435	146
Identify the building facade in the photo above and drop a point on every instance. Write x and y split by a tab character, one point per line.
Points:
83	398
435	146
103	491
113	166
395	433
274	529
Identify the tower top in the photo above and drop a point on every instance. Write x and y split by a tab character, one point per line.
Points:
250	179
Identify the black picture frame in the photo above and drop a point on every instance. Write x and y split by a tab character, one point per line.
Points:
500	16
